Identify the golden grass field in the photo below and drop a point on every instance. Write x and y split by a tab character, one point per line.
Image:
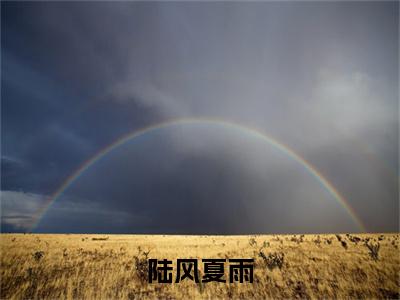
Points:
106	266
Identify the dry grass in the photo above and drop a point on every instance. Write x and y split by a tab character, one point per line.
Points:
286	266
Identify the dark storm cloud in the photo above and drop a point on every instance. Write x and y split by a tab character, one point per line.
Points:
321	77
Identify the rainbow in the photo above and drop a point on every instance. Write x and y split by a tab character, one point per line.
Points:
253	132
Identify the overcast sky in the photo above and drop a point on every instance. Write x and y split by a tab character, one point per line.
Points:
320	77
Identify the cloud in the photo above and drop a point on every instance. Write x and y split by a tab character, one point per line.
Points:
148	95
20	212
18	209
352	102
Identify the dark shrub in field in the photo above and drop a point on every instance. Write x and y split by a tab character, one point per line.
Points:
273	260
38	255
373	250
344	244
100	239
142	264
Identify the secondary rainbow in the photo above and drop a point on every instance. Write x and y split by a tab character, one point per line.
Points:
206	121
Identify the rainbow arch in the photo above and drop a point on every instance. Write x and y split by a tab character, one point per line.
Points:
217	122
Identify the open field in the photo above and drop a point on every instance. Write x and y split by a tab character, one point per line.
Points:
114	266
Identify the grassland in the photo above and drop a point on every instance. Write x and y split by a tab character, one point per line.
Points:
286	266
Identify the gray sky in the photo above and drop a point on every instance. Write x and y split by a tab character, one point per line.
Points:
320	77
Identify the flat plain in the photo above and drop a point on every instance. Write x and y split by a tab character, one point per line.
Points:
84	266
